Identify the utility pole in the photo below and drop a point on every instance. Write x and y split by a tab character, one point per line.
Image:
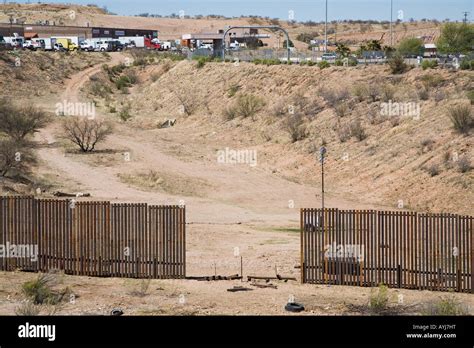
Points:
465	17
391	23
322	152
326	30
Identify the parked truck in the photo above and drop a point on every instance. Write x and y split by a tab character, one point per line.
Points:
15	41
66	43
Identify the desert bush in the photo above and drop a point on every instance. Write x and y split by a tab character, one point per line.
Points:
467	64
388	93
280	108
230	113
430	81
247	105
447	305
334	97
323	65
397	64
201	62
15	157
232	91
86	133
100	89
357	130
344	133
429	64
464	164
395	121
40	290
28	309
379	300
123	82
426	145
295	127
439	96
373	91
341	110
470	96
187	100
124	113
19	122
433	170
423	93
132	76
461	118
360	92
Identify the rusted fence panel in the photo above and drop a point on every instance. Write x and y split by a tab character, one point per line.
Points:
399	249
93	238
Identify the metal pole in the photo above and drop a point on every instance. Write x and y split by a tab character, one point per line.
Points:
391	23
326	30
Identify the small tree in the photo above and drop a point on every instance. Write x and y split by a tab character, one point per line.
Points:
411	47
397	64
456	38
14	156
461	117
86	133
17	123
342	50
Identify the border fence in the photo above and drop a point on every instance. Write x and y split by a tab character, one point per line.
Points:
400	249
92	238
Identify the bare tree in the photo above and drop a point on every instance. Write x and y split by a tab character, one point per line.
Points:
18	122
86	133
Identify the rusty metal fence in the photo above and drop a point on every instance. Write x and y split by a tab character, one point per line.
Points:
92	238
400	249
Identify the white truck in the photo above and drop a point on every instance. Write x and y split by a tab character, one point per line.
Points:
133	41
15	41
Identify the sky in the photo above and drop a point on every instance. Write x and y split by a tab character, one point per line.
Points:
299	10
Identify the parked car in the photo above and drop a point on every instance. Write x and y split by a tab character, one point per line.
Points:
103	46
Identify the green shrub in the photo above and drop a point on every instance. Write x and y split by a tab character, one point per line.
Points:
233	90
461	118
357	130
28	309
246	105
201	62
125	114
447	306
429	64
467	64
323	65
122	82
39	290
397	64
379	300
295	127
339	62
470	96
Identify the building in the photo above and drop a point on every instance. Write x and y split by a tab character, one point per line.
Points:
45	31
244	37
431	51
7	29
